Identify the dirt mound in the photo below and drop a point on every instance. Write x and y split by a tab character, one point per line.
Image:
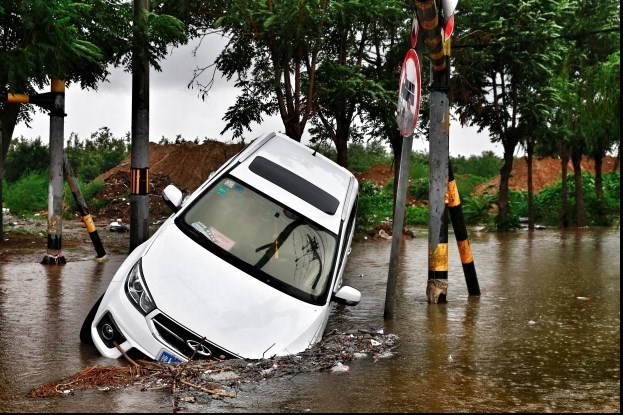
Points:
545	171
379	174
186	165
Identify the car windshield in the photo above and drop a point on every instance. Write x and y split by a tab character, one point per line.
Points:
264	238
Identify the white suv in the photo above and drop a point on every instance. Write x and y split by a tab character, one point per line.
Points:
246	266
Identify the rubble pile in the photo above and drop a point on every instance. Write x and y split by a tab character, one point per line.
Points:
222	379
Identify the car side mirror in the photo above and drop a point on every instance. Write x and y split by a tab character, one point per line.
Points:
172	197
347	295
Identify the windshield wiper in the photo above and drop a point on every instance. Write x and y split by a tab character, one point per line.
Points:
272	247
313	245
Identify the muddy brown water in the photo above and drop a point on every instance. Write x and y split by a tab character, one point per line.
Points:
544	336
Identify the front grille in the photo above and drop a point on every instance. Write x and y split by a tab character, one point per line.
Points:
185	341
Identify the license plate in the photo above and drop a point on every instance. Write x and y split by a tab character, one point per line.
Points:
167	357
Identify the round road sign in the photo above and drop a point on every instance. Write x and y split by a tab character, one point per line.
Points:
409	94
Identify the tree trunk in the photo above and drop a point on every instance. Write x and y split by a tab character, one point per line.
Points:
341	147
576	160
503	206
293	129
564	190
599	190
530	151
8	119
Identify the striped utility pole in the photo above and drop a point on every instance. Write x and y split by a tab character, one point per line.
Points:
139	168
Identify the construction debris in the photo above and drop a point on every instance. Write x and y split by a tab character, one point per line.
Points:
198	380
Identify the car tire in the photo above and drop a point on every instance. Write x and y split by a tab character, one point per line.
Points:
85	330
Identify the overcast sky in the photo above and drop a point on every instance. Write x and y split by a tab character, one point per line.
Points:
176	109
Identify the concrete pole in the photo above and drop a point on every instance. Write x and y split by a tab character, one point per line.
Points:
55	194
399	216
437	285
139	168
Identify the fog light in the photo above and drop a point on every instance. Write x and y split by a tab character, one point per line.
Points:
108	331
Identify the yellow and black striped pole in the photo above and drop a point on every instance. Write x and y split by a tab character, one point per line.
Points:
460	232
437	284
83	209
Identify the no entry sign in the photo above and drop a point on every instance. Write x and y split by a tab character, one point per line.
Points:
409	94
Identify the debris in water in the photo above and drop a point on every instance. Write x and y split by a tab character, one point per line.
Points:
223	378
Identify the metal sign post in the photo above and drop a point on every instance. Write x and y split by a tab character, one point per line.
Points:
409	98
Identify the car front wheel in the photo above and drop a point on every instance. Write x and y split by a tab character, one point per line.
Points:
85	330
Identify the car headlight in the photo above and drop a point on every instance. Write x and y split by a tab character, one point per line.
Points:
137	292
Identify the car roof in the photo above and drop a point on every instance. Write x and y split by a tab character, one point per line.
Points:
299	177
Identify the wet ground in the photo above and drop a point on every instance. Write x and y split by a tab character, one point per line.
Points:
544	336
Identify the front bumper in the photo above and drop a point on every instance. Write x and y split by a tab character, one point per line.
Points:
132	329
156	335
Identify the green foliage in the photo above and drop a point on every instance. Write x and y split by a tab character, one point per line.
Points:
24	157
478	209
416	216
466	183
418	170
486	165
419	188
88	158
375	205
362	157
28	195
102	152
612	191
88	190
549	198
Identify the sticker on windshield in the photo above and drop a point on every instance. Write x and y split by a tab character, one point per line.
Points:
229	183
222	190
214	235
220	239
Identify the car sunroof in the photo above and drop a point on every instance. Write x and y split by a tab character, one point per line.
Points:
294	184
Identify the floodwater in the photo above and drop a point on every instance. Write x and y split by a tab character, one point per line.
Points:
544	336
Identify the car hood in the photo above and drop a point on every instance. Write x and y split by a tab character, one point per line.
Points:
219	301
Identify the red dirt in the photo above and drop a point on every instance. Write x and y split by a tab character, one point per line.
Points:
545	171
